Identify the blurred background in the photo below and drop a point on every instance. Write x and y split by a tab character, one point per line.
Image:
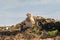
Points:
14	11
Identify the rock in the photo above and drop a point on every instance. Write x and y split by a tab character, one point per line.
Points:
49	26
49	20
57	38
29	22
33	27
7	38
57	25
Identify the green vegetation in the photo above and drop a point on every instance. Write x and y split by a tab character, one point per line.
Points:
53	33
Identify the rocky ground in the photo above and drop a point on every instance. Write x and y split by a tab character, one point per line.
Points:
32	28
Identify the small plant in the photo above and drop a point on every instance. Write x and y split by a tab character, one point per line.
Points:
52	33
35	30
